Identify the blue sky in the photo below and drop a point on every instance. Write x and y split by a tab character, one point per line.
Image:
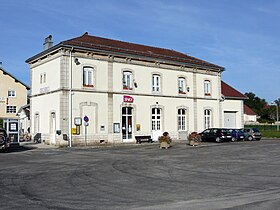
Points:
241	35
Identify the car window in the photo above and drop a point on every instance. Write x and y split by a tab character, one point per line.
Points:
206	131
256	130
225	130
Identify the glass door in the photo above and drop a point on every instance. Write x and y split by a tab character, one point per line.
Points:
156	123
127	123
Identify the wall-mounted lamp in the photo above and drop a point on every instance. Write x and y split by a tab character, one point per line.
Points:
188	89
135	84
77	62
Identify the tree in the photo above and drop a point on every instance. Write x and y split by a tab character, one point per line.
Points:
257	104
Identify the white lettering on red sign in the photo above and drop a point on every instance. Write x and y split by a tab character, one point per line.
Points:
128	99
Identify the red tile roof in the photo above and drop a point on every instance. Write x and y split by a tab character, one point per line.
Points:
230	93
248	110
120	47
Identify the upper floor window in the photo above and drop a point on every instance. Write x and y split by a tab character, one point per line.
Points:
181	85
207	88
181	119
43	78
207	118
11	93
127	80
156	83
11	109
88	76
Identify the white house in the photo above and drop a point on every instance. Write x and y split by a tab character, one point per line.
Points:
249	115
13	95
123	90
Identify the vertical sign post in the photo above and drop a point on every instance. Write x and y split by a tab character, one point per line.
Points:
86	119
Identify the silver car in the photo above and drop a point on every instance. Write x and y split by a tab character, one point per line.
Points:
252	134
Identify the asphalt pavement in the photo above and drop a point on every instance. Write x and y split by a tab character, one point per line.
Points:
239	175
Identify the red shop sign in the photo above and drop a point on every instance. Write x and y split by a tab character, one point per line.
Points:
128	99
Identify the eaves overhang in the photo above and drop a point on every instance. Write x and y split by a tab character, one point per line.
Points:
122	54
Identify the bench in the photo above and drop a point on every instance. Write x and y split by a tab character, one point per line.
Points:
140	139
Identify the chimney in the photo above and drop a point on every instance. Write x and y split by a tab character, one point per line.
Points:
48	42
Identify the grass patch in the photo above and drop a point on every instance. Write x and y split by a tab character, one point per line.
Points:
271	134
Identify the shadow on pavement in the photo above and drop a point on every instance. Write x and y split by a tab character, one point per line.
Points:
18	148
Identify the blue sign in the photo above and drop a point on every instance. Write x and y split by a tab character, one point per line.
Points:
86	119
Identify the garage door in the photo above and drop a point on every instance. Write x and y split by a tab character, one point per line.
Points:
229	119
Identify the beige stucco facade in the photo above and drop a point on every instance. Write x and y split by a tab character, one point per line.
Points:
17	97
104	104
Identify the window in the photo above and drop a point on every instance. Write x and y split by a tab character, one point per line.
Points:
45	77
207	118
207	88
11	93
156	121
127	80
181	119
88	76
11	109
182	85
156	83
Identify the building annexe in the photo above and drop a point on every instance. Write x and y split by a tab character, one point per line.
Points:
125	90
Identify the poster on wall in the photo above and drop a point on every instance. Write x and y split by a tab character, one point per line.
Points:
13	126
117	128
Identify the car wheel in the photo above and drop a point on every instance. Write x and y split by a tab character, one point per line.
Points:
233	139
250	138
218	140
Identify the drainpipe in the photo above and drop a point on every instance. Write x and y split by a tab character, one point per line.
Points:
70	99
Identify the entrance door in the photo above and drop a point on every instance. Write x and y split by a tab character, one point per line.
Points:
52	129
127	123
156	123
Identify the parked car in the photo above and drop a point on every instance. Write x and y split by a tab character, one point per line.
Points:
237	135
216	134
252	134
4	140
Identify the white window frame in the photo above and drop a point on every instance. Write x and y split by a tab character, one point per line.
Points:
182	85
207	87
182	119
88	76
11	109
12	93
156	80
207	118
127	80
